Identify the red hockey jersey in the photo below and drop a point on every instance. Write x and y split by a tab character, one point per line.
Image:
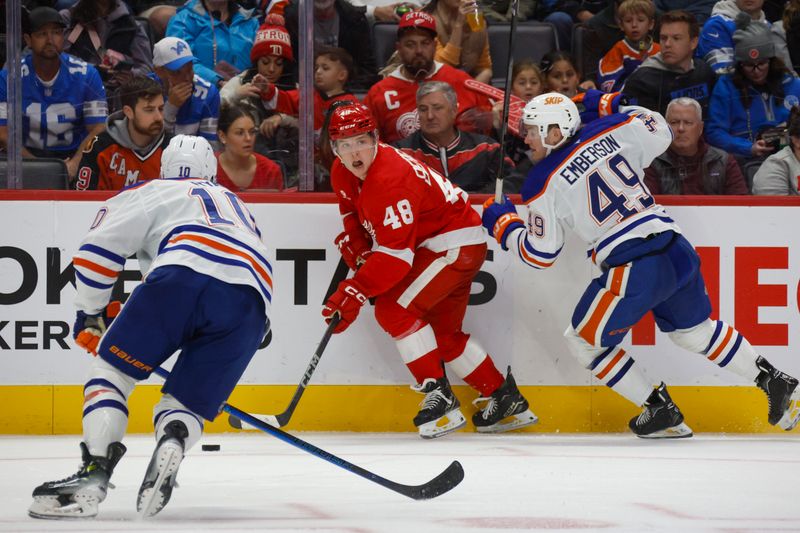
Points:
403	205
393	101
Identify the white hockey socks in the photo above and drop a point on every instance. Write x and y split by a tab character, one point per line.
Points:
105	406
721	344
169	409
612	366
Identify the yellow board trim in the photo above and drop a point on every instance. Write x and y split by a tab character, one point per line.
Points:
56	409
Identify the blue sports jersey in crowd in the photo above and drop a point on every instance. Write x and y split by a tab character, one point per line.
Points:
56	114
198	115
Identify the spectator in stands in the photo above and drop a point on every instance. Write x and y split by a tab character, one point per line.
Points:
469	160
690	166
605	25
673	72
786	34
561	73
270	55
105	34
393	99
63	99
700	9
636	18
192	103
527	81
385	12
339	24
457	44
239	167
757	96
716	39
157	12
129	150
332	70
780	172
220	34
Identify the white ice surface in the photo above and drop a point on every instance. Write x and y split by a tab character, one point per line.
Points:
513	483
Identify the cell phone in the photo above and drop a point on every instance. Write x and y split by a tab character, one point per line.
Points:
124	65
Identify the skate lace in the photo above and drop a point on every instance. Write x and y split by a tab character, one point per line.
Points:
644	418
433	398
491	406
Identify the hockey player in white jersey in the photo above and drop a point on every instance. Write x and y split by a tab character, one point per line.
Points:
206	291
590	179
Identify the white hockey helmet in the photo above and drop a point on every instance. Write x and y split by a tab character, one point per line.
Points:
188	156
551	109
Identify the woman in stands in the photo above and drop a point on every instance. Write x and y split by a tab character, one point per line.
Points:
220	33
239	168
458	44
748	104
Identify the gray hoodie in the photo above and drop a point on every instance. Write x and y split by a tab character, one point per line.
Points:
117	127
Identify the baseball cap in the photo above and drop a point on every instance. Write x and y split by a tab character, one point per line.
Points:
416	20
172	53
752	40
41	16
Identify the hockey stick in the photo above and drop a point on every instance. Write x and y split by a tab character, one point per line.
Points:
498	184
448	479
282	419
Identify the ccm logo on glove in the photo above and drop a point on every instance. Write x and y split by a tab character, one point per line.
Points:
347	302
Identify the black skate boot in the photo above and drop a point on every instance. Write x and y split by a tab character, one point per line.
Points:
79	495
160	478
440	413
782	394
661	418
504	403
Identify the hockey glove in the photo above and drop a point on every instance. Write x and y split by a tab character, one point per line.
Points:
501	219
354	250
347	301
594	104
89	328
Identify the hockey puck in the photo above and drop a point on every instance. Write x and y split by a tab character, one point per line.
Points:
210	447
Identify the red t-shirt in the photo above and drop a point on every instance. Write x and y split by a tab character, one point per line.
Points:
268	175
393	101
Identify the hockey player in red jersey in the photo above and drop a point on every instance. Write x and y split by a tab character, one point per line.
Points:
393	99
416	244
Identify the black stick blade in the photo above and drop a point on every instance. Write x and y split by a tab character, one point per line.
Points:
447	480
234	422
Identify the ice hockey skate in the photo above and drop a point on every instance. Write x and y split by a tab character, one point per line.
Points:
79	495
660	419
782	393
160	478
505	409
440	413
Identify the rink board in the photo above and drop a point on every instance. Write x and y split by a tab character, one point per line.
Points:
750	251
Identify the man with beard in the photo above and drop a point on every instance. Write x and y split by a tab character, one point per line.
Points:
393	99
130	148
63	99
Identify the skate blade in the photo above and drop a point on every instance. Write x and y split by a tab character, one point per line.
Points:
447	423
519	420
792	415
681	431
48	508
151	499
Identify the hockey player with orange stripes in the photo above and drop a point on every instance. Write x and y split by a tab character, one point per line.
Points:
590	179
428	247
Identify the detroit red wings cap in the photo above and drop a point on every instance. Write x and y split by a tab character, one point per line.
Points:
416	19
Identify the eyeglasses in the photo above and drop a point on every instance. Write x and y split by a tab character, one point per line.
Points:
758	64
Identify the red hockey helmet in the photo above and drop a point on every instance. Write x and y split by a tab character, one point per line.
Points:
350	120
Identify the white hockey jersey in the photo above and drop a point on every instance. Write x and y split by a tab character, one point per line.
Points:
188	222
595	185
